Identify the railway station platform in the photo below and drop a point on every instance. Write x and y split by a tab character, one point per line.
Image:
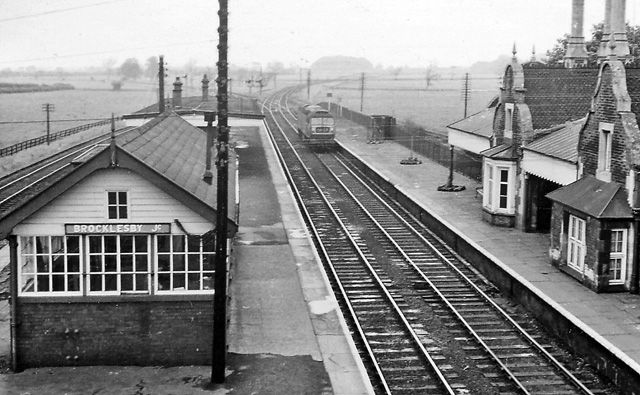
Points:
286	334
612	319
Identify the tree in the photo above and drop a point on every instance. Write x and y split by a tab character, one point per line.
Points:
130	69
556	55
151	67
431	74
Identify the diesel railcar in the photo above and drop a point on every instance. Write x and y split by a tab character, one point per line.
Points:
316	125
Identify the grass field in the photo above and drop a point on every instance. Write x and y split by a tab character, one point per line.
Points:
407	99
91	98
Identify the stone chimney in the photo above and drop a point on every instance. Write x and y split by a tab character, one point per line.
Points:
576	55
205	88
614	26
177	93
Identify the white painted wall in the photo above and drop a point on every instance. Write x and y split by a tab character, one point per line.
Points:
467	141
87	203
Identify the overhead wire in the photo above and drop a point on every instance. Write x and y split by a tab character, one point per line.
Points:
43	13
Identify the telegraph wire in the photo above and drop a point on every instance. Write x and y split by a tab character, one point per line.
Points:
15	18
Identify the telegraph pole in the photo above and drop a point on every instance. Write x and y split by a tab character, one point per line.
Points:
466	91
161	84
48	108
361	91
219	351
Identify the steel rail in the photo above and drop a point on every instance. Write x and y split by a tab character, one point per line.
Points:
85	146
554	362
399	312
325	253
444	299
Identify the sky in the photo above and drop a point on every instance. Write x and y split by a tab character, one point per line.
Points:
80	33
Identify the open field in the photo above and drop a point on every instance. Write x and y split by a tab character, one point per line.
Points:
407	99
91	98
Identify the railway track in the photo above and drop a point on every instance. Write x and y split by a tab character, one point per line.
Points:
31	180
423	318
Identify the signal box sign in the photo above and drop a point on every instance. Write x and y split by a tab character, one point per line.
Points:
73	229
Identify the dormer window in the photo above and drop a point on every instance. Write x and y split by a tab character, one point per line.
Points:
604	151
117	205
508	120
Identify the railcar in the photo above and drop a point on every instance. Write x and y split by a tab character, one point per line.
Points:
316	125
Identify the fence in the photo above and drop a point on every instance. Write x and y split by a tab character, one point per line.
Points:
13	149
432	145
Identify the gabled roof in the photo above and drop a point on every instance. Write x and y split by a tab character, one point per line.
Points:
596	198
560	144
167	151
556	95
480	123
176	150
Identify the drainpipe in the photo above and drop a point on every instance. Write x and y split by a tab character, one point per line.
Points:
633	279
13	290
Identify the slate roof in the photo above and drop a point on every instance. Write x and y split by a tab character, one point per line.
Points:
167	150
176	150
480	123
561	143
558	95
503	151
596	198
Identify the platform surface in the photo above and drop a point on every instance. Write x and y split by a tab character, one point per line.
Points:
612	318
286	335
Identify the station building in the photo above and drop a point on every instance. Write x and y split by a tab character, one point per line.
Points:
559	155
112	257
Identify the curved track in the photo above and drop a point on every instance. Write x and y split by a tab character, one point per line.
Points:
421	315
27	182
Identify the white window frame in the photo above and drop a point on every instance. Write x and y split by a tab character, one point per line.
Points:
576	243
488	189
119	205
29	256
618	253
119	273
492	184
189	256
508	120
603	172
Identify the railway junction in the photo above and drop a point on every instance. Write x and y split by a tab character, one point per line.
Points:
286	334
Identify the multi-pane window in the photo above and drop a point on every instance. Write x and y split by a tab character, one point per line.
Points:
503	193
118	263
50	264
576	245
489	191
114	264
117	205
497	188
618	256
184	263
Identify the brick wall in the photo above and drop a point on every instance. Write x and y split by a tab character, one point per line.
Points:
556	95
606	111
162	332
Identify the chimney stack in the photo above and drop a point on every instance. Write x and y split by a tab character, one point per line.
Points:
576	55
161	84
177	93
205	88
614	27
